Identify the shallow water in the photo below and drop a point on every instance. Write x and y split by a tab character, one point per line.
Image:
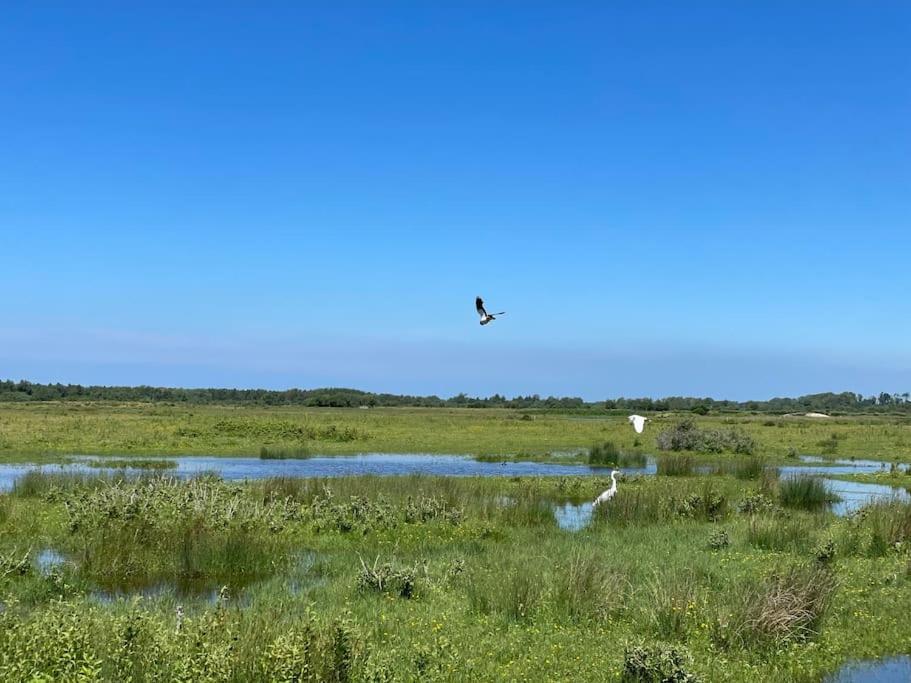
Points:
398	464
891	670
854	495
48	559
570	516
838	466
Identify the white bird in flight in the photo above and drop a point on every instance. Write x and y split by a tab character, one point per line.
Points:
638	422
485	316
607	495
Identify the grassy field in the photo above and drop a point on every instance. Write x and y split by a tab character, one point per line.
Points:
404	579
47	429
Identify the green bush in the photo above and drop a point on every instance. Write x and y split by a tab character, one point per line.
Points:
685	436
658	663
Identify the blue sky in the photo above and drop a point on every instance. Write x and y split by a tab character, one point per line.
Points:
667	198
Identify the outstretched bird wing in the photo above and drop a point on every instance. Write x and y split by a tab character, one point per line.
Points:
479	304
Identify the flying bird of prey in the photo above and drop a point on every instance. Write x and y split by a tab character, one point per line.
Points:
485	316
638	422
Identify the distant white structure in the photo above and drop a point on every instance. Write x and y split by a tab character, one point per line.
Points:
816	415
638	423
607	495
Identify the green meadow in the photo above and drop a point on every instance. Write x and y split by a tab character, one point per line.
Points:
32	430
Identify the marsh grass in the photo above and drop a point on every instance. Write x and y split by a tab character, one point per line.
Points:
805	493
667	603
632	507
749	468
513	590
883	527
584	587
131	463
607	454
283	452
783	534
676	465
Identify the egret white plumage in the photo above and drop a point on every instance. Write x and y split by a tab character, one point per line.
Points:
485	316
607	495
638	422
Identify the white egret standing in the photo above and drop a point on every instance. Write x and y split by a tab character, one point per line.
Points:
638	423
607	495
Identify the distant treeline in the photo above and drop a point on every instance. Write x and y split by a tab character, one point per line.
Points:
845	402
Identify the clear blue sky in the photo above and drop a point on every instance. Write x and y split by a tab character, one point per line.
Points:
667	198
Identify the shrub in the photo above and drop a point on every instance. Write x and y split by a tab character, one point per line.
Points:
658	663
387	578
719	540
825	552
685	436
754	504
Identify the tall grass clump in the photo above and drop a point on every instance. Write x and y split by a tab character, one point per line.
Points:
283	452
132	463
889	524
743	468
607	454
634	507
805	492
512	589
783	534
786	607
667	598
675	465
585	588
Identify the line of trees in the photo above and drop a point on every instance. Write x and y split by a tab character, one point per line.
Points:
845	402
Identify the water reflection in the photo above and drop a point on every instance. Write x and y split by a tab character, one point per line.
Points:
48	559
573	516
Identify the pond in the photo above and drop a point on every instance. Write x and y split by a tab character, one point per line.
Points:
392	464
891	670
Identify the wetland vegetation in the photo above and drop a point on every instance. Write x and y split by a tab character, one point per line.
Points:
430	578
716	569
